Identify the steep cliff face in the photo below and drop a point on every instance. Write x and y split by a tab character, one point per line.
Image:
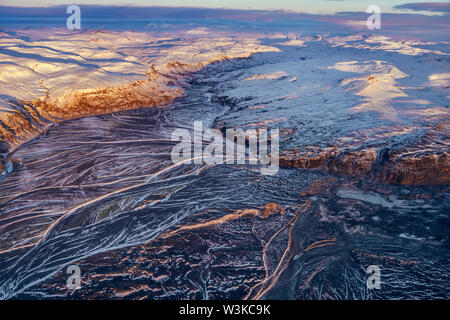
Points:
396	168
410	170
425	162
33	117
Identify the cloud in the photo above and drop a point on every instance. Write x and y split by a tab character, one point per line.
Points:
426	6
159	18
138	12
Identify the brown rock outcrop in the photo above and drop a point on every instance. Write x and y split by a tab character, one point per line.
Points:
425	162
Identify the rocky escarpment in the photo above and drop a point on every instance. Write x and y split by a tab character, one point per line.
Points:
424	162
32	117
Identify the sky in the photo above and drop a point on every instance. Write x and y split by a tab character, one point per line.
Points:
309	6
399	17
